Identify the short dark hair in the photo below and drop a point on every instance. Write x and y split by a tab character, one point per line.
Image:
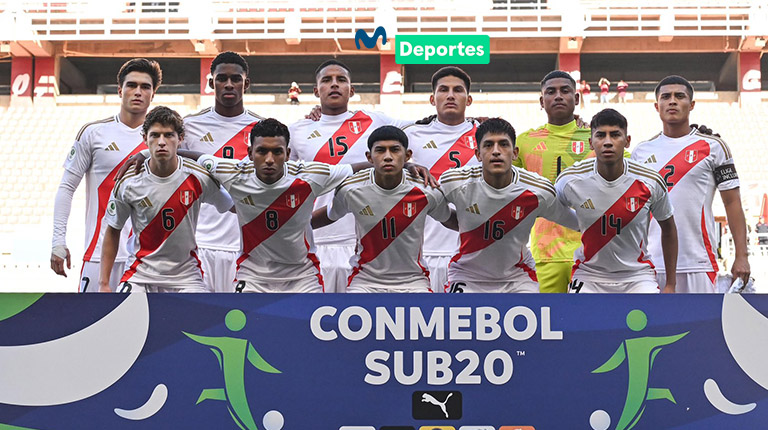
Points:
558	74
230	57
608	117
451	71
495	126
166	116
331	62
150	67
387	132
674	80
270	127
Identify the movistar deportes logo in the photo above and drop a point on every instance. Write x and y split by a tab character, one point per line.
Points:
639	353
370	41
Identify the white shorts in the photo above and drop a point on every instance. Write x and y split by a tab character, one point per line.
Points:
698	282
413	287
89	276
492	287
438	271
644	286
334	265
218	269
310	284
129	287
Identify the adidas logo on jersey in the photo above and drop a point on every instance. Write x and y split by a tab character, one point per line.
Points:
540	147
314	134
145	203
248	200
112	147
651	159
430	145
587	205
367	211
207	138
474	209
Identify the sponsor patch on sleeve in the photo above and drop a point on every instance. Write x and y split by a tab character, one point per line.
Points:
724	173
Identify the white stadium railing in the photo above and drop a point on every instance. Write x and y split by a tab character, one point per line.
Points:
335	19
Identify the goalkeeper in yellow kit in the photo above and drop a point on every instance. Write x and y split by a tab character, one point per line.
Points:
548	150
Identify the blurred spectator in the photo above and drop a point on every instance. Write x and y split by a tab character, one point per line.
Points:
605	84
762	229
293	93
584	90
622	88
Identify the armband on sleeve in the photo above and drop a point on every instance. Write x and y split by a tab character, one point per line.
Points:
724	173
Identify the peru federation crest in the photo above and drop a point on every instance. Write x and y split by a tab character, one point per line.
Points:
518	212
292	201
577	147
691	155
186	197
632	204
471	142
355	127
409	209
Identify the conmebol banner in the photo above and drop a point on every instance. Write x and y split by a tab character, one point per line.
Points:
373	362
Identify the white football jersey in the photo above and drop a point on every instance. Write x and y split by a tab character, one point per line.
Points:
336	139
223	137
390	227
613	219
495	224
693	167
440	147
275	218
100	149
164	214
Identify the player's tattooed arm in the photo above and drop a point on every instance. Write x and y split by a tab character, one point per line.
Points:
109	247
734	214
320	217
669	249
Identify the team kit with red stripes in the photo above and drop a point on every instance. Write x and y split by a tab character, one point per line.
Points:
477	239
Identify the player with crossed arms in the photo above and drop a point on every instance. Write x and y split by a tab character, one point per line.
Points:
614	199
497	205
163	202
389	208
100	149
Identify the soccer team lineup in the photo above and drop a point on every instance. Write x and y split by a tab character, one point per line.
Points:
225	200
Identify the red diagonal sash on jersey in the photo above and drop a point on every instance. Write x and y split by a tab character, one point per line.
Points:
239	144
351	130
507	218
285	206
155	233
104	190
683	162
464	145
374	242
593	238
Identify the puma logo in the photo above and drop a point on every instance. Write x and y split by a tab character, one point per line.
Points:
428	398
